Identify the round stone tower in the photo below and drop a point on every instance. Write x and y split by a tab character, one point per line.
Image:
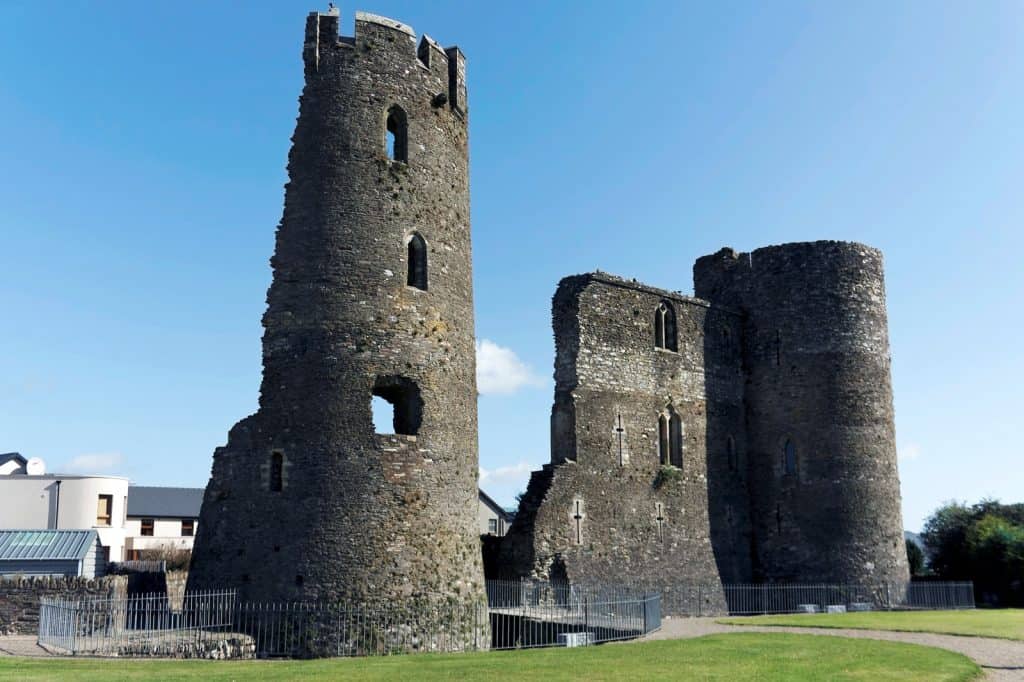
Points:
371	296
825	498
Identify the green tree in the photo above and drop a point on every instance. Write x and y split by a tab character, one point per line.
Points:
945	536
983	543
915	558
996	546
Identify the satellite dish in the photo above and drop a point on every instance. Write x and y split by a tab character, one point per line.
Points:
35	467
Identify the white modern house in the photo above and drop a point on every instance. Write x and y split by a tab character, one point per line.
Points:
160	519
493	519
131	522
31	499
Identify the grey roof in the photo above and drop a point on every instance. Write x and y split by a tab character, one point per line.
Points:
46	545
148	501
8	456
495	507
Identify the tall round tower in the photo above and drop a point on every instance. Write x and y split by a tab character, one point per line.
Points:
371	296
825	497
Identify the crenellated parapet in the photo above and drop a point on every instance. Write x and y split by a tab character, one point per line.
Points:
380	38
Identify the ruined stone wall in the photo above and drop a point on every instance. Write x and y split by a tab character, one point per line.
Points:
816	356
606	510
19	597
360	515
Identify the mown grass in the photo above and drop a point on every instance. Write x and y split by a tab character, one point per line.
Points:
1000	623
741	656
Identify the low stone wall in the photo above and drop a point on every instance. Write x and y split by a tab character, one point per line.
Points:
176	582
19	597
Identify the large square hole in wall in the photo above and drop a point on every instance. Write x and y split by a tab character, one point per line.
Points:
396	405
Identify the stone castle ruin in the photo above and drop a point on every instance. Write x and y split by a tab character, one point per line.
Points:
745	434
742	436
371	296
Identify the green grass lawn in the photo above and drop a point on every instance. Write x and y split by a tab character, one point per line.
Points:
741	656
1001	623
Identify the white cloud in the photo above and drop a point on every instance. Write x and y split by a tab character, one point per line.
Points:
908	452
499	370
503	476
94	463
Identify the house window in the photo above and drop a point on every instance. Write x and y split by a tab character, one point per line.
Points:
401	397
146	528
104	510
417	262
188	528
492	526
397	135
665	327
276	472
789	458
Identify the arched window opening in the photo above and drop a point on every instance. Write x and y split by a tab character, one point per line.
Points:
383	415
276	472
665	327
663	439
417	262
676	439
730	452
397	135
789	458
402	396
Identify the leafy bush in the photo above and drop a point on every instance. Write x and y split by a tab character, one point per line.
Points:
667	474
983	543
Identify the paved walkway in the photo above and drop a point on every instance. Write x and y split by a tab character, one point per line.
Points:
1001	659
21	645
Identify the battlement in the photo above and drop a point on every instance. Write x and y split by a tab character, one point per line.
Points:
578	282
717	275
386	22
375	33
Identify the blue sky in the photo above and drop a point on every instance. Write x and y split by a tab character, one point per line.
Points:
143	160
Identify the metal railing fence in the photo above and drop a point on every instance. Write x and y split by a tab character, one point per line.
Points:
141	625
527	613
778	598
517	614
316	629
751	599
138	566
217	625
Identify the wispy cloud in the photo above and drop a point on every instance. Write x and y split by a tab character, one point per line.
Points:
502	476
499	370
908	452
94	463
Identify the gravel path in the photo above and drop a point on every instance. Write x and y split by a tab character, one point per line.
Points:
1001	659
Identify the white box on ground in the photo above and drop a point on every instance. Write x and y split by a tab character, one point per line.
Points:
807	608
569	639
835	608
